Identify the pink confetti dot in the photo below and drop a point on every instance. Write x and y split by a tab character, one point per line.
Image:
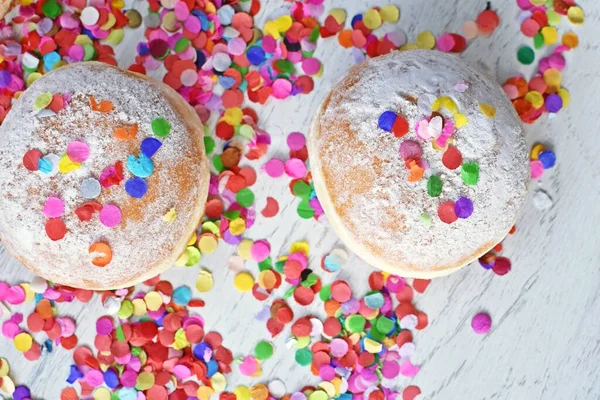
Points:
275	168
311	66
445	43
110	215
260	250
54	207
296	141
390	369
281	88
10	329
295	168
15	295
537	169
511	91
481	323
78	151
104	326
94	377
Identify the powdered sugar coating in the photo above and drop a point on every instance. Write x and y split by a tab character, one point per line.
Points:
142	244
361	179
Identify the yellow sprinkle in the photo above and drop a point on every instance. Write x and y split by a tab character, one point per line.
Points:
435	106
101	394
242	393
23	342
448	104
550	35
170	215
218	382
139	307
300	246
576	15
208	243
535	98
65	165
237	226
339	14
372	346
145	381
284	23
204	282
243	249
243	282
570	39
153	300
488	110
426	40
565	96
372	19
536	150
390	13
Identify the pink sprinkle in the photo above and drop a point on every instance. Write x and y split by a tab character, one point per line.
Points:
537	169
296	141
110	215
260	250
54	207
409	370
275	167
78	151
295	168
481	323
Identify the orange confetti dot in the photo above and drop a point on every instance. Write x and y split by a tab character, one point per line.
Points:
104	252
104	106
126	133
345	38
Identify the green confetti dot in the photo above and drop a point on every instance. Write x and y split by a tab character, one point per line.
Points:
42	101
126	309
301	189
209	144
89	52
265	264
161	127
231	215
470	173
305	210
355	323
194	256
525	55
279	266
538	41
120	334
263	350
385	325
245	197
310	280
51	9
218	163
434	186
325	293
182	44
285	66
426	218
246	131
288	293
315	34
304	356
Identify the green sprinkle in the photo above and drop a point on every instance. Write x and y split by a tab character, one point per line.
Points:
434	186
161	127
263	350
426	218
470	173
304	356
245	197
525	55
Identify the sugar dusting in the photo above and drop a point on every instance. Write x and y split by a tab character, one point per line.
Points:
358	170
143	239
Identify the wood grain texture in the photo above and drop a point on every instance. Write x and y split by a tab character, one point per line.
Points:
545	341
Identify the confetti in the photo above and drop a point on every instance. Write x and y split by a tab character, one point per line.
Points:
481	323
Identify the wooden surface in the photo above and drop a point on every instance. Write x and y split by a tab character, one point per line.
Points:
545	338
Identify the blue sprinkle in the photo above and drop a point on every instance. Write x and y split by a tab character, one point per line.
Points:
182	295
355	19
111	378
386	120
200	349
136	187
74	374
255	55
150	146
140	166
211	368
547	158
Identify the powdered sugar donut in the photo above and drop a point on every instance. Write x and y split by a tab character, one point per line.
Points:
103	176
419	162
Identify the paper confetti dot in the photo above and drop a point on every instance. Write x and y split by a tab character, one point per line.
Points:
481	323
161	127
243	282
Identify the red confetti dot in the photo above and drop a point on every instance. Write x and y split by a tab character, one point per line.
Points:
405	336
487	21
340	291
421	284
452	158
303	295
446	212
332	327
214	339
55	229
31	159
410	392
376	280
366	359
502	266
422	320
400	127
224	130
271	209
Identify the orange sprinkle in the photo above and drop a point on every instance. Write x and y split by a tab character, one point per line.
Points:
105	252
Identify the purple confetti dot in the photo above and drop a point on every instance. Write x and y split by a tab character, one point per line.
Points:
481	323
463	208
554	103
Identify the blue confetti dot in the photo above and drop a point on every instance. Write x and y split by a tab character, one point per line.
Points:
332	263
127	394
374	300
355	19
200	58
255	55
182	295
226	81
50	60
547	158
211	368
111	378
44	166
386	120
140	166
199	350
150	146
143	49
5	78
136	187
74	374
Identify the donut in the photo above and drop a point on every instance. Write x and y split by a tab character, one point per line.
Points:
103	177
419	162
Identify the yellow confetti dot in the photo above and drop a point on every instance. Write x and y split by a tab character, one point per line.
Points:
329	388
271	29
372	346
242	393
284	23
243	249
372	19
302	342
204	392
259	392
139	307
126	309
553	18
535	98
237	226
536	150
8	386
118	4
33	77
538	2
29	293
576	15
570	39
115	36
243	282
183	258
101	394
145	381
65	165
337	382
300	246
409	46
318	395
552	77
109	23
204	282
23	342
267	279
83	39
207	243
211	227
233	116
390	13
339	14
426	40
460	120
550	35
218	382
488	110
565	96
153	300
170	215
4	367
192	240
194	256
180	341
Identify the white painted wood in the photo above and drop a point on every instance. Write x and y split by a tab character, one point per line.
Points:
545	338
